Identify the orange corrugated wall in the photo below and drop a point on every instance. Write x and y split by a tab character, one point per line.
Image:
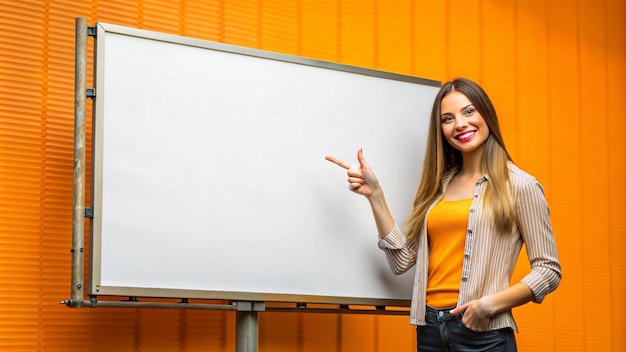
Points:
556	70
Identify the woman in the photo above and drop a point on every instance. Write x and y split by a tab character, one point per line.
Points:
473	211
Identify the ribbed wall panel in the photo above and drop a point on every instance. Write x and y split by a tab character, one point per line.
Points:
58	95
204	20
429	33
319	27
532	98
463	37
565	186
158	330
357	42
325	336
392	332
497	63
280	26
122	12
242	23
554	69
114	329
278	332
615	51
394	47
358	333
21	154
205	330
593	156
160	15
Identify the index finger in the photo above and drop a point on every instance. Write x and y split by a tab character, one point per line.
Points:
339	162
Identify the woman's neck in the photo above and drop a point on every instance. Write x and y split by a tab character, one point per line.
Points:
472	164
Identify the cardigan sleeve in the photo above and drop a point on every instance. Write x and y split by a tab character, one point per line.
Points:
536	230
399	251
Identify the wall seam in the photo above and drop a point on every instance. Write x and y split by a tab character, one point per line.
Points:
43	175
581	174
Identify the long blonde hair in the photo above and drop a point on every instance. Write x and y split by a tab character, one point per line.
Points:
441	157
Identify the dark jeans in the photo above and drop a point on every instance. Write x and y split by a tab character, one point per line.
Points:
445	332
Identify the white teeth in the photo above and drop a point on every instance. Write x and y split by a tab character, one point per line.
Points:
465	135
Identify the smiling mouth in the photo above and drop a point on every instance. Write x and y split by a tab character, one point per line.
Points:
465	136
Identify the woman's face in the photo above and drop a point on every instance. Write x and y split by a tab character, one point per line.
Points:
461	124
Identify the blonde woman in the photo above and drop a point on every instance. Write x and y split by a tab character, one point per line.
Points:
473	211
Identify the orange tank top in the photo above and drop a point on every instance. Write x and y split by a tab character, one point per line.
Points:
446	226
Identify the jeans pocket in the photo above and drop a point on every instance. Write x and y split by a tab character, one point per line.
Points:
464	327
463	338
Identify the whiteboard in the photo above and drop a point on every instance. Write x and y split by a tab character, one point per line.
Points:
209	173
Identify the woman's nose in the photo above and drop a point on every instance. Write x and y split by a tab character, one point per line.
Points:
460	122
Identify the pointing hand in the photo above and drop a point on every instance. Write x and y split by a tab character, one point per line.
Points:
361	178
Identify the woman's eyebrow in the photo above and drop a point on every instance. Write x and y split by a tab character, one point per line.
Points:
449	113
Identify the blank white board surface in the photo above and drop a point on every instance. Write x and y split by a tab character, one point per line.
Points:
210	179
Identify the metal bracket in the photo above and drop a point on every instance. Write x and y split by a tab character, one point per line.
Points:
91	92
245	306
134	302
88	212
91	31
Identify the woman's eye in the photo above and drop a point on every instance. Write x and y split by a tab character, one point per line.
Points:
469	111
446	119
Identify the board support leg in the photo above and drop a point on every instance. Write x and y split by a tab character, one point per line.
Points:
78	215
247	325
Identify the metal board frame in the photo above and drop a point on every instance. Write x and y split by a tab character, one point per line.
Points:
393	163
